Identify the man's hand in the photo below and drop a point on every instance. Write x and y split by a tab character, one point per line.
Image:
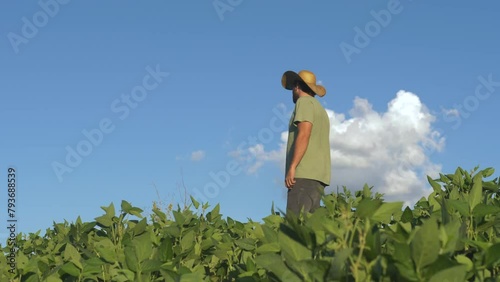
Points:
290	178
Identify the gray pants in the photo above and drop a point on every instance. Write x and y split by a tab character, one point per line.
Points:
306	194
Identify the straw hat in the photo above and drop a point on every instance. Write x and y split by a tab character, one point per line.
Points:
290	77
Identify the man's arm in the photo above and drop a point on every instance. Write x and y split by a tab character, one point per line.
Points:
301	142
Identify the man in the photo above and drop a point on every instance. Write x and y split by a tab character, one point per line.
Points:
308	166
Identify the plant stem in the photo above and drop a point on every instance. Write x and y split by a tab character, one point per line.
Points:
362	242
354	227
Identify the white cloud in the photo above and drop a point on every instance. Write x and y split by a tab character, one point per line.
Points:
390	151
197	155
255	156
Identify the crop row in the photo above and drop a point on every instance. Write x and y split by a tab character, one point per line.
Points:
452	235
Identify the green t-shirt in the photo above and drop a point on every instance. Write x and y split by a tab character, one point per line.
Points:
315	163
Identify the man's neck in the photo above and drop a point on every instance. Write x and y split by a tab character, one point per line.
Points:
304	94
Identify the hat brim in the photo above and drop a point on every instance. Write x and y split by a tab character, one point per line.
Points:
289	79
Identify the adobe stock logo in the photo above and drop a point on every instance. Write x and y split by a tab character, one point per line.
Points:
482	92
94	137
31	27
223	6
221	179
363	36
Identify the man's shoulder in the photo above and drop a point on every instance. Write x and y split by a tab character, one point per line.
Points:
306	100
310	101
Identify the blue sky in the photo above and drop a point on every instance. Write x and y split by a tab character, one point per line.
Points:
412	88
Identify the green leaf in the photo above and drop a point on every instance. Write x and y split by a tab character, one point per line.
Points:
484	246
425	245
367	207
274	264
317	219
434	185
433	202
465	261
454	194
338	268
386	210
406	226
407	215
92	266
492	258
53	278
292	248
124	275
143	246
71	269
187	240
179	217
458	205
160	214
451	236
334	227
126	206
314	269
367	192
444	178
247	244
273	220
214	213
208	243
131	258
485	226
110	210
328	202
150	265
373	244
250	264
483	209
87	227
270	234
166	251
104	220
476	192
445	214
71	254
452	274
173	231
269	248
458	179
136	211
191	277
140	227
443	262
467	176
106	249
303	234
487	172
491	186
22	263
196	204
